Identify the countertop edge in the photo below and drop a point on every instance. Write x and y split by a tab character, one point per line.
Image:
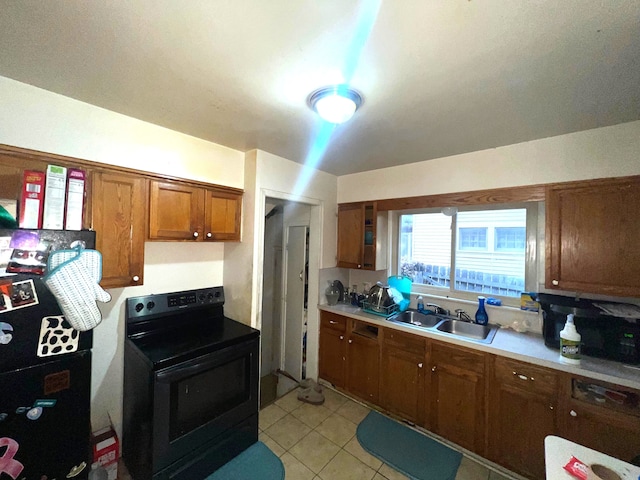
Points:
527	347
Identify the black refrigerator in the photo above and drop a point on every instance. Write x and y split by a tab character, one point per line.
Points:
45	375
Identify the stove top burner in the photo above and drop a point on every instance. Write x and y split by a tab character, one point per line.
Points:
170	328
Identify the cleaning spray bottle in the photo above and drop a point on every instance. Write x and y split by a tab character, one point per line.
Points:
570	342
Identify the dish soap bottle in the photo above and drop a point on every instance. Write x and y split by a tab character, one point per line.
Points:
481	314
570	342
420	304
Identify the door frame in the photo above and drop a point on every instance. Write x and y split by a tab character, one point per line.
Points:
315	255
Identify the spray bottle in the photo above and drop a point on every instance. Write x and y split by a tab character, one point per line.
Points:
570	342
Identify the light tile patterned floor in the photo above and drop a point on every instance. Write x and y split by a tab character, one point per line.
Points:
319	442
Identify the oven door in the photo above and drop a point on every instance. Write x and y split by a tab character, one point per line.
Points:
198	401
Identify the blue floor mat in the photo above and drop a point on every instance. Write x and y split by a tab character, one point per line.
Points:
408	451
256	463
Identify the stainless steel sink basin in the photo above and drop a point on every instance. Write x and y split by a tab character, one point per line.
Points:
413	317
470	331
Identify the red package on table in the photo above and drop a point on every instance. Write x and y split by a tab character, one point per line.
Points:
576	468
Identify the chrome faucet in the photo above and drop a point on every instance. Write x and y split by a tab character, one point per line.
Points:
437	309
463	316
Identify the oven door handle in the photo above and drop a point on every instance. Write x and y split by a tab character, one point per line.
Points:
201	364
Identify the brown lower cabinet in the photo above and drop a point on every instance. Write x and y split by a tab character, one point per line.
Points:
455	397
402	375
601	416
495	406
522	412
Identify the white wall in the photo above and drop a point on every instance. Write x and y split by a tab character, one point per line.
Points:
34	118
603	152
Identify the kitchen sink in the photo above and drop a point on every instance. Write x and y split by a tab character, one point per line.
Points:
468	330
413	317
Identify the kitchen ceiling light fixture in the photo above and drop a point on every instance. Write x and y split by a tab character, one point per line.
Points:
335	104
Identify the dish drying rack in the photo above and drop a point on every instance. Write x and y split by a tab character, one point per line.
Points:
382	311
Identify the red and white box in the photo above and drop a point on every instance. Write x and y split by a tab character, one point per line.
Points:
74	206
31	199
106	450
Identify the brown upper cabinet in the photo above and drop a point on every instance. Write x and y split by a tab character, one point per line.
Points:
118	218
362	235
592	233
181	211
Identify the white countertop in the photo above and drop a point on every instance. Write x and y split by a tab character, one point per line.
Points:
528	347
558	451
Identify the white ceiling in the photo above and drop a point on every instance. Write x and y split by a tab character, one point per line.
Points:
438	77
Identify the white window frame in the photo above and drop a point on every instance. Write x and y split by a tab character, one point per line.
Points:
534	263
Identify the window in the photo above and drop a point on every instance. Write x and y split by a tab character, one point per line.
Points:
473	238
475	250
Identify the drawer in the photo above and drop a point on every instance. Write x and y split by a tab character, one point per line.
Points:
333	321
405	341
525	376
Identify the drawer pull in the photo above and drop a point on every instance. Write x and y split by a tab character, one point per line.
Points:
433	369
420	365
573	413
522	377
195	234
341	337
350	341
555	283
550	407
332	322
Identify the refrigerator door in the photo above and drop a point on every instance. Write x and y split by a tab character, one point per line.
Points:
32	327
45	420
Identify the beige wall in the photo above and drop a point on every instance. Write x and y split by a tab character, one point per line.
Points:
603	152
40	120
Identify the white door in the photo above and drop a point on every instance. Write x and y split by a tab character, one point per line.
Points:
296	257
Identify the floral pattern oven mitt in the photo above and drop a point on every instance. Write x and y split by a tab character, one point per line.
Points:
73	277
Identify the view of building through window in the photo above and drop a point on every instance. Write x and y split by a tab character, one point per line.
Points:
489	255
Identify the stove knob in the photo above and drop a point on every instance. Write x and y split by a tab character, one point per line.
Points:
217	294
210	296
150	305
201	297
139	307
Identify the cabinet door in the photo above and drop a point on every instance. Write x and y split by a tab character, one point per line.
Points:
402	375
350	235
522	413
457	396
175	211
609	432
363	367
592	237
333	350
222	216
118	217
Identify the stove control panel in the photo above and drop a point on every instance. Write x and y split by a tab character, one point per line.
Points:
166	303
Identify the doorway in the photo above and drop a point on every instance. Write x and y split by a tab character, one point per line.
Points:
284	297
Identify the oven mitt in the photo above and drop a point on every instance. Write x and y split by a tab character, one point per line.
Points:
74	283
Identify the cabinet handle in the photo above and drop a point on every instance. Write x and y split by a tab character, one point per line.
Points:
573	413
350	341
341	337
555	282
359	266
550	407
522	377
420	365
332	322
195	234
136	278
433	369
209	234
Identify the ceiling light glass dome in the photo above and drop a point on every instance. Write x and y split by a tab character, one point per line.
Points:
335	104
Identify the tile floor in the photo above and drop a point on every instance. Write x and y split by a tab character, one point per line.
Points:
319	442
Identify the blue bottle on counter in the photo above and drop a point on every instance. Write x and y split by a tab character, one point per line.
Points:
481	315
420	304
